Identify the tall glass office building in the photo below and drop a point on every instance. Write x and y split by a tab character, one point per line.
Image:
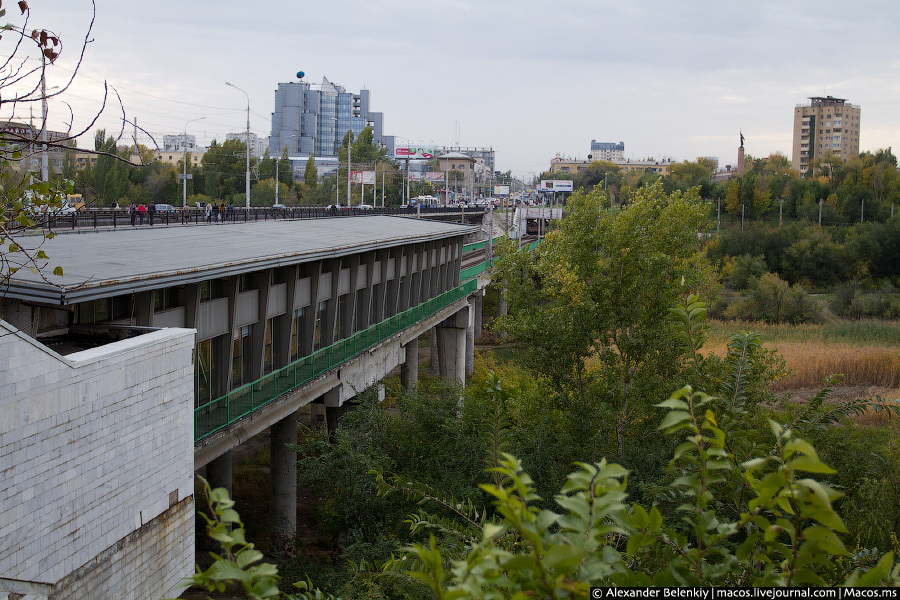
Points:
314	118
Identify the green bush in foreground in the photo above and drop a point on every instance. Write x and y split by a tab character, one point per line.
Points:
786	533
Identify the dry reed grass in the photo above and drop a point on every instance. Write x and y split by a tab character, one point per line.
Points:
812	362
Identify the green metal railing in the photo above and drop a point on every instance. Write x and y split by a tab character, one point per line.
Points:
224	411
478	245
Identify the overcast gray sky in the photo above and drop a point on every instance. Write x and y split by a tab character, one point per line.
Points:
529	78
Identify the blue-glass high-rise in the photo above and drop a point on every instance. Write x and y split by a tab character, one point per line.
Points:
314	118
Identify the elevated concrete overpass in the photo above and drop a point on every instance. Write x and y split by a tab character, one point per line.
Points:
284	313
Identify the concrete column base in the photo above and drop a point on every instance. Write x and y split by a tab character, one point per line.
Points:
409	371
479	321
451	340
333	415
283	479
218	472
470	338
433	363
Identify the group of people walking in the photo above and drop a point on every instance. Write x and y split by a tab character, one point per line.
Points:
216	212
213	213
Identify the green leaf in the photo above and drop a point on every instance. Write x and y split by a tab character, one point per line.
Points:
636	542
58	271
825	539
674	419
673	403
810	464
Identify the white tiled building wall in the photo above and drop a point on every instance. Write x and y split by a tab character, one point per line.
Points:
94	448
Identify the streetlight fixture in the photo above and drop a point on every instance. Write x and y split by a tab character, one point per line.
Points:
184	176
247	140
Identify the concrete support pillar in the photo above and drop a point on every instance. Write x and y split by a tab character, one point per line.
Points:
451	341
434	360
218	472
283	478
479	303
333	415
501	307
470	338
333	410
409	371
501	303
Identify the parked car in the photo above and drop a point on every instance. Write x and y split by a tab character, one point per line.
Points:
165	208
279	206
364	207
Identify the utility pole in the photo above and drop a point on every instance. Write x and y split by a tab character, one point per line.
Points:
247	140
349	143
45	175
184	176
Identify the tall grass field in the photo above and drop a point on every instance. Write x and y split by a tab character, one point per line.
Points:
866	353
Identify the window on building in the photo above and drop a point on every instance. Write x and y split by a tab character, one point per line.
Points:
359	315
268	349
211	289
296	328
167	298
95	311
341	311
240	358
204	374
317	332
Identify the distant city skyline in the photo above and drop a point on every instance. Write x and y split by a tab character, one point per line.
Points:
677	81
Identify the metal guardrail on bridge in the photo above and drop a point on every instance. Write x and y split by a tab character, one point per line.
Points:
121	217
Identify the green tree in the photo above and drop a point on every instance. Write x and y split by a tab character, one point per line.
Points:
733	197
224	169
311	174
591	304
266	166
285	172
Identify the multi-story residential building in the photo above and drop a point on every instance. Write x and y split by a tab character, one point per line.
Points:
174	157
314	118
827	126
464	164
484	155
570	166
610	151
179	142
258	145
27	139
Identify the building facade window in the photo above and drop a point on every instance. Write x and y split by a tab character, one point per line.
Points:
240	358
204	374
296	329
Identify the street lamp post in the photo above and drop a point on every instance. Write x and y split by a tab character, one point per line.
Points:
184	175
247	139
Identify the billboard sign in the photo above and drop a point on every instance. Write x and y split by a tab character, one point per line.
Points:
501	190
414	153
365	177
434	177
556	185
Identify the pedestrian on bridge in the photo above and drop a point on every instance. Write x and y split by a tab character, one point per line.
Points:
141	211
208	212
133	211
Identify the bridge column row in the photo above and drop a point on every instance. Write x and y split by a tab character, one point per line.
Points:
453	338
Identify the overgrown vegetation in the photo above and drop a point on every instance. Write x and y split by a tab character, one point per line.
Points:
425	497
